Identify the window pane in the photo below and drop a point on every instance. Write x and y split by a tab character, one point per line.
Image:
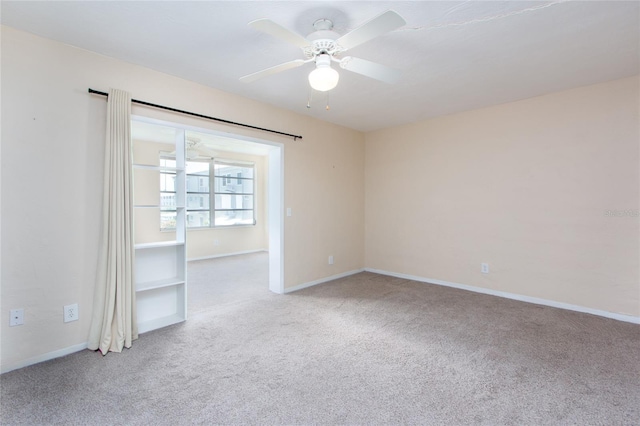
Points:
245	186
231	185
167	220
228	201
233	171
198	219
167	182
167	201
198	201
196	183
234	218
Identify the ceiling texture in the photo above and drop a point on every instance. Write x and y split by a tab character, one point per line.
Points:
454	55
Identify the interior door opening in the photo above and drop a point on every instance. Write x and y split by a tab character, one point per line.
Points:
233	202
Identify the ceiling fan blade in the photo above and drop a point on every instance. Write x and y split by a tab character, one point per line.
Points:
268	26
282	67
388	21
371	69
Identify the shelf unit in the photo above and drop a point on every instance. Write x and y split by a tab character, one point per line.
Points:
161	266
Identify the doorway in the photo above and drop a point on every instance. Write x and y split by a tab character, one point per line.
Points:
238	156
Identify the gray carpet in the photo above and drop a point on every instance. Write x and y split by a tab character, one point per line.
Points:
366	349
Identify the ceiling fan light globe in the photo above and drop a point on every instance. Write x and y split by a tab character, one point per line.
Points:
323	78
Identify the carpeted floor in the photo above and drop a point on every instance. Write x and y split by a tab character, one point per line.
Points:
366	349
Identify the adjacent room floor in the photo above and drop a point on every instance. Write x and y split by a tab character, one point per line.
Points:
366	349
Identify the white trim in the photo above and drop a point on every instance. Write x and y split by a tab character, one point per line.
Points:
44	357
215	256
514	296
322	280
275	212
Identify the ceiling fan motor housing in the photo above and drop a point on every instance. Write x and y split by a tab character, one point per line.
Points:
323	39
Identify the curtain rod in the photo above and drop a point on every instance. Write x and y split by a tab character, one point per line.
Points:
295	137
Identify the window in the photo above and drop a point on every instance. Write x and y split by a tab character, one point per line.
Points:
214	199
233	198
198	195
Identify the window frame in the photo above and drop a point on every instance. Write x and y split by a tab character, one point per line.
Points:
226	179
187	193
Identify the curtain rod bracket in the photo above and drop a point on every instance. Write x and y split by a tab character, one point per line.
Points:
295	137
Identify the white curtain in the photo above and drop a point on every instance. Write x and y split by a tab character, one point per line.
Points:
113	324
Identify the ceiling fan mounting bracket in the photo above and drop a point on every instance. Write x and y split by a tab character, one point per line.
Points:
323	40
323	25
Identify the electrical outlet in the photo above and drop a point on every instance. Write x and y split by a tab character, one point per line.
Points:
330	260
16	317
71	313
484	267
216	242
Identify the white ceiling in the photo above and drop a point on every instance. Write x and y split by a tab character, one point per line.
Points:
455	55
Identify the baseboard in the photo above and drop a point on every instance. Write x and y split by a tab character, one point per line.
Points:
514	296
322	280
44	357
215	256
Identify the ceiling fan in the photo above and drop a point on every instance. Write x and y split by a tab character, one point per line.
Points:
195	149
324	46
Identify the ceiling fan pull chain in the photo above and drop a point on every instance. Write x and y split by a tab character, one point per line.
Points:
309	98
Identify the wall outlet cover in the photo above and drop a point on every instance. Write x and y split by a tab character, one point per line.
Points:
16	317
71	313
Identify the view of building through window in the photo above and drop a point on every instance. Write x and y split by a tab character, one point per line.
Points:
219	193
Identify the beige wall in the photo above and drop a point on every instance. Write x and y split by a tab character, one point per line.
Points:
52	143
201	243
523	187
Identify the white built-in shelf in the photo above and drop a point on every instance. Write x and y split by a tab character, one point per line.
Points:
152	285
160	267
149	325
158	244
